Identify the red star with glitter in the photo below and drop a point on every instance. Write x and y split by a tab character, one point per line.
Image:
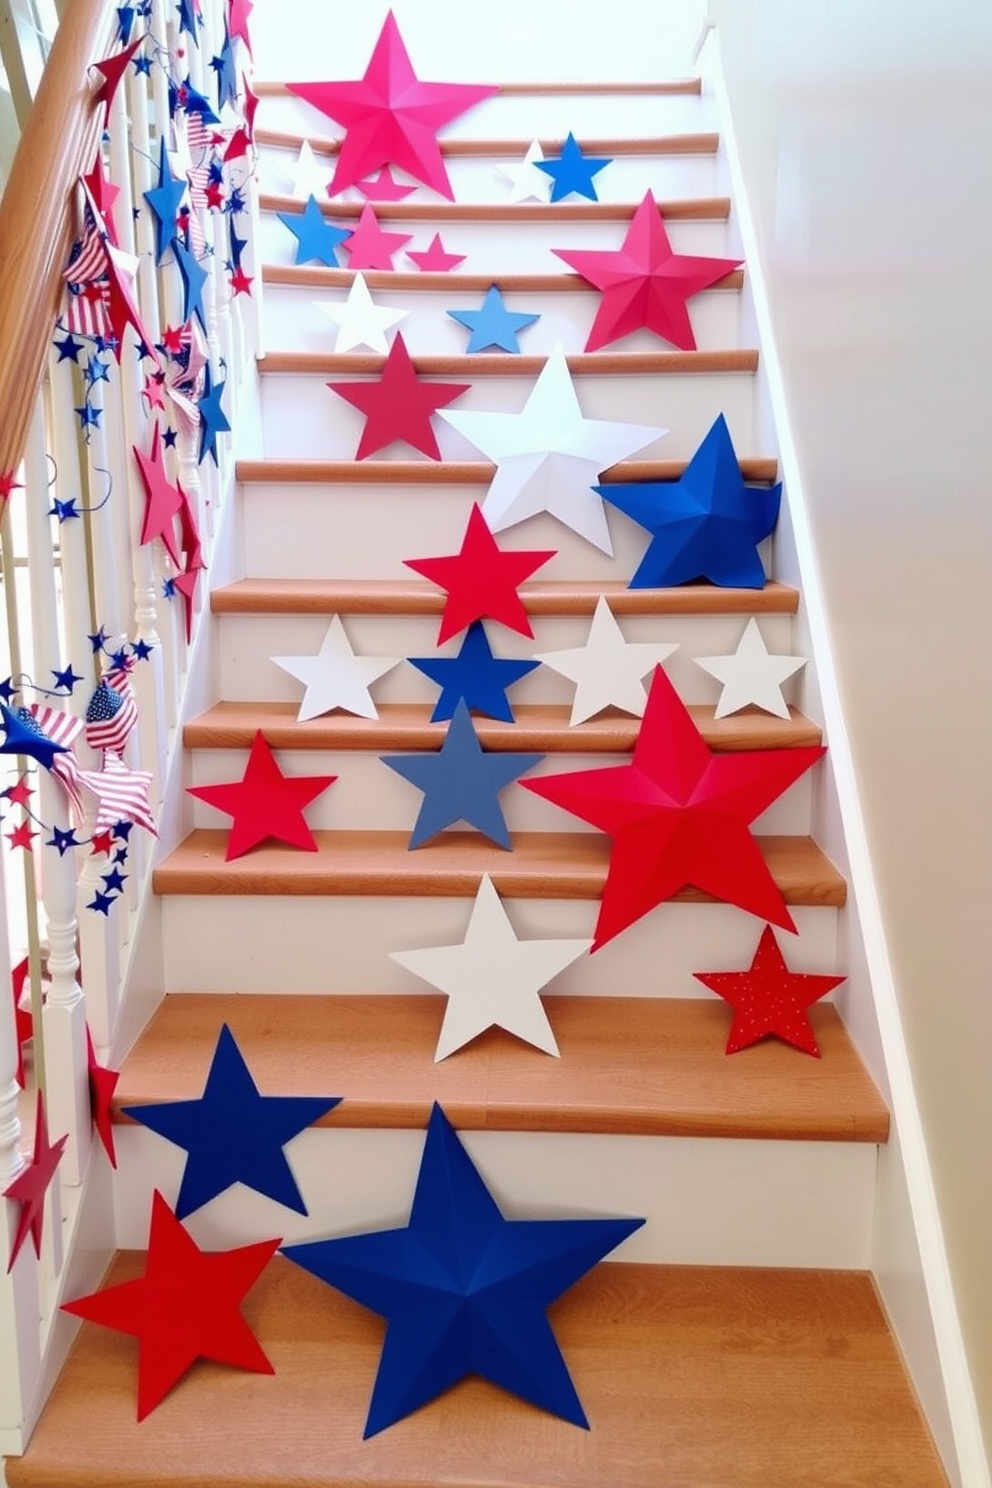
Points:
400	405
264	802
769	999
31	1185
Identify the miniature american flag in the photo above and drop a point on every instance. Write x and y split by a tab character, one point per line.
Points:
112	712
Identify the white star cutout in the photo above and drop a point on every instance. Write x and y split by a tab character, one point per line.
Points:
360	321
336	677
308	178
751	675
527	183
607	670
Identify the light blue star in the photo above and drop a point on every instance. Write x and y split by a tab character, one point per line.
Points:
316	237
164	201
493	324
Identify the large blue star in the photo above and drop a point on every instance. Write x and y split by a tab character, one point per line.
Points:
706	525
316	238
164	201
194	277
573	171
227	73
475	675
492	324
464	1290
213	420
232	1134
461	782
22	735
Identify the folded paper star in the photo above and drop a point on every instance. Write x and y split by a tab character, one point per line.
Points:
527	181
769	999
31	1185
400	405
336	677
369	246
390	116
608	670
492	980
548	456
475	675
213	419
751	677
705	525
307	176
164	201
193	277
22	735
122	794
384	187
573	171
317	240
435	259
680	815
186	1306
360	321
463	1289
493	324
644	283
102	1084
233	1134
264	802
461	782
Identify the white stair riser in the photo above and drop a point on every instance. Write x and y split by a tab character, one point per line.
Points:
706	1202
341	943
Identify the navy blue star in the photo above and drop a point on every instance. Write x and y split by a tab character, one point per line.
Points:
142	65
97	640
105	343
236	201
96	371
573	171
122	830
227	73
164	201
169	438
89	416
24	736
69	348
238	246
213	420
63	839
493	324
316	238
102	902
125	20
114	881
196	103
64	510
142	650
168	588
194	277
187	19
232	1134
120	856
7	689
118	659
142	349
475	675
464	1291
67	679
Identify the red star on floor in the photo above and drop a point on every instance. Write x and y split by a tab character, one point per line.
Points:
369	247
436	259
163	500
264	802
399	405
102	1083
768	998
31	1185
644	283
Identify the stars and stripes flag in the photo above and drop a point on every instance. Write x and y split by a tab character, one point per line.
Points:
88	283
62	728
112	711
122	794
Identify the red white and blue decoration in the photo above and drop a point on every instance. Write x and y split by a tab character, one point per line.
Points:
769	1000
264	803
31	1185
474	675
572	172
317	240
400	405
493	325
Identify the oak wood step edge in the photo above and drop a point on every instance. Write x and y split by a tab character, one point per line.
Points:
683	209
699	143
582	364
456	472
392	281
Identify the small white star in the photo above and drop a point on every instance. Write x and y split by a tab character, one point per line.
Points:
336	677
360	321
308	178
751	675
607	670
527	183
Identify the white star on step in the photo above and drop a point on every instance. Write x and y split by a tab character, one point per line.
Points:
527	183
336	677
307	177
360	321
492	980
607	670
751	675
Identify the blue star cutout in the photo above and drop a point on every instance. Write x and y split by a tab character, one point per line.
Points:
168	589
23	736
493	324
164	201
98	640
461	782
316	238
215	173
474	676
69	348
232	1134
169	438
122	830
142	350
238	246
142	651
114	881
142	65
213	420
194	277
89	416
187	19
573	171
96	371
197	103
102	902
464	1290
67	678
105	343
227	73
706	525
118	659
120	856
125	20
63	839
236	202
7	689
64	510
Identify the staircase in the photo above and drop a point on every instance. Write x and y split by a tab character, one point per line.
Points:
736	1340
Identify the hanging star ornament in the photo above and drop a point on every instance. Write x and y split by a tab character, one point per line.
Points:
122	794
213	419
751	677
336	677
360	321
768	999
493	324
705	525
163	500
548	456
463	1289
369	246
608	671
390	117
31	1185
492	980
102	1084
317	240
527	181
186	1306
400	405
572	172
680	816
644	283
264	803
164	201
474	676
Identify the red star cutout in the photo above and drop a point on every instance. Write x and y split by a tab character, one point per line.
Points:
103	1083
371	248
240	282
250	108
390	117
214	195
153	390
19	794
187	1306
31	1185
768	998
8	484
101	842
644	283
679	815
23	1021
163	500
399	405
238	12
185	584
481	580
172	339
384	187
238	145
112	70
21	836
264	802
104	193
435	259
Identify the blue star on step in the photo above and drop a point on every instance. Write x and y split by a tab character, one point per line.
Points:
492	324
213	420
67	678
69	348
461	782
233	1134
573	171
194	277
164	201
464	1290
316	238
474	676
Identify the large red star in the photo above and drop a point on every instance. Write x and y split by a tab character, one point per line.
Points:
185	1307
768	998
679	815
102	1084
264	802
112	70
369	246
163	500
31	1185
644	283
390	117
399	405
481	580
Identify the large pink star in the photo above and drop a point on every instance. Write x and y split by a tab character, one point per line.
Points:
390	117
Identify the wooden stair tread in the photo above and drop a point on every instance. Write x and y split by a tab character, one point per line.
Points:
705	1377
639	1066
455	472
688	209
273	88
313	276
542	865
701	143
542	726
591	364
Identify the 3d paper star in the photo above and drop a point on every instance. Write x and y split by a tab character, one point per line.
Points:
23	736
461	782
360	321
548	456
227	73
384	187
122	309
480	580
608	671
112	69
400	405
264	802
121	793
336	677
573	171
102	1084
492	980
233	1134
163	500
493	324
768	998
706	525
194	277
680	815
435	259
31	1185
751	676
185	1307
307	176
644	283
369	246
164	201
213	419
390	116
464	1290
527	181
475	675
316	238
238	12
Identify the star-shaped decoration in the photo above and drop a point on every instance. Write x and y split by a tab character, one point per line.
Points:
240	282
120	791
69	348
572	173
238	12
194	276
186	1306
390	117
97	370
492	980
317	240
264	802
680	815
23	1020
64	839
213	419
21	836
527	181
493	324
644	283
368	246
463	1289
307	176
114	881
751	676
100	842
400	405
384	187
102	1084
20	793
164	201
474	676
224	65
101	903
461	782
97	640
608	671
9	484
769	999
189	19
435	259
67	678
360	321
705	525
548	456
22	735
89	416
31	1185
336	677
125	20
142	66
163	500
104	194
112	70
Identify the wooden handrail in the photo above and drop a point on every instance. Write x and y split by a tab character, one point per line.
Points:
36	214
